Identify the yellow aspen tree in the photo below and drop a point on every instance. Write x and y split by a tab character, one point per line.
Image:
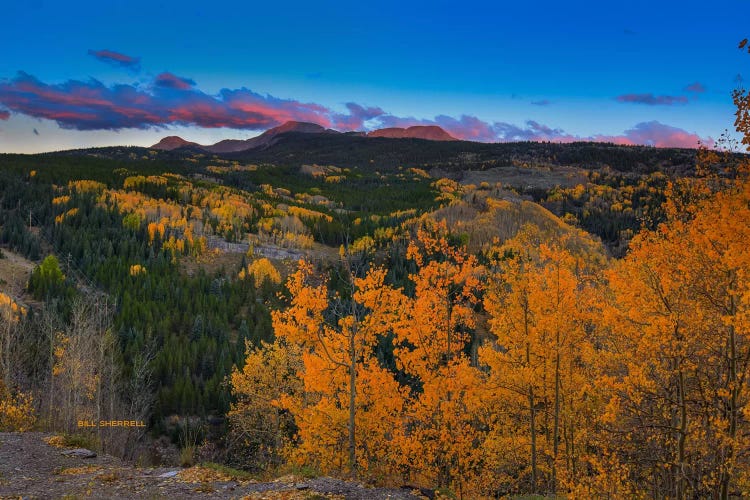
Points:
538	364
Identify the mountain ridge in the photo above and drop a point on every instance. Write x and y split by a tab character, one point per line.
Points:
270	137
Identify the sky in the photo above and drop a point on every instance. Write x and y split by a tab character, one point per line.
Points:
80	74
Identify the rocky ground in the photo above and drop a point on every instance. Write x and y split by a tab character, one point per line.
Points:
32	465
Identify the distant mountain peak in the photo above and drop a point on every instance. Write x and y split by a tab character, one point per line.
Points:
427	132
173	142
295	126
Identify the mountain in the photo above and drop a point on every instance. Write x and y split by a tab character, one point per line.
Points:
265	139
427	132
272	136
268	137
174	142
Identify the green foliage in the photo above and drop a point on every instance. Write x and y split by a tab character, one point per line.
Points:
80	440
47	279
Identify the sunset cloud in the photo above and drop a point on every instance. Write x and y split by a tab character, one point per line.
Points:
91	105
652	100
170	81
658	135
357	117
117	59
171	100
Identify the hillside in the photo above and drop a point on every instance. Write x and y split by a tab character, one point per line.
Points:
423	147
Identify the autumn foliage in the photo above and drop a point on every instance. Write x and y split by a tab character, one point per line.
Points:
546	367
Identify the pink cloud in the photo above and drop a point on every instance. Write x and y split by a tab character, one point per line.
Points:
168	80
91	105
658	135
4	115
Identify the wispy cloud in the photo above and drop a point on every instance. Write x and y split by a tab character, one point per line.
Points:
357	118
652	100
170	81
696	88
117	59
543	102
170	100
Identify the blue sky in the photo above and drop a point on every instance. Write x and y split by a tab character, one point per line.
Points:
75	74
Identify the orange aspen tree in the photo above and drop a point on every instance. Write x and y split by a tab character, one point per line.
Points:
677	417
339	405
439	438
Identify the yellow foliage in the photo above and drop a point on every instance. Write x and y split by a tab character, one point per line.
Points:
137	270
261	270
10	310
70	213
56	441
85	186
17	413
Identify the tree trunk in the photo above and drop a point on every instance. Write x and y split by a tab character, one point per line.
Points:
533	439
352	407
556	428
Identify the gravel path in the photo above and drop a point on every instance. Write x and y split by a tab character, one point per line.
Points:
31	468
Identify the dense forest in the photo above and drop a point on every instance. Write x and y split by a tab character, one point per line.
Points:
349	311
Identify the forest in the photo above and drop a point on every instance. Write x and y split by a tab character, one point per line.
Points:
587	339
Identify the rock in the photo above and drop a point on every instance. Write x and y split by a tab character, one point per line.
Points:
171	473
79	453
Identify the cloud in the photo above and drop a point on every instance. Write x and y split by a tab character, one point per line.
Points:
468	128
652	100
534	131
117	59
171	100
170	81
543	102
91	105
357	117
696	88
659	135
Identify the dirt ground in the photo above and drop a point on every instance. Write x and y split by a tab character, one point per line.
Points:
15	271
32	468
